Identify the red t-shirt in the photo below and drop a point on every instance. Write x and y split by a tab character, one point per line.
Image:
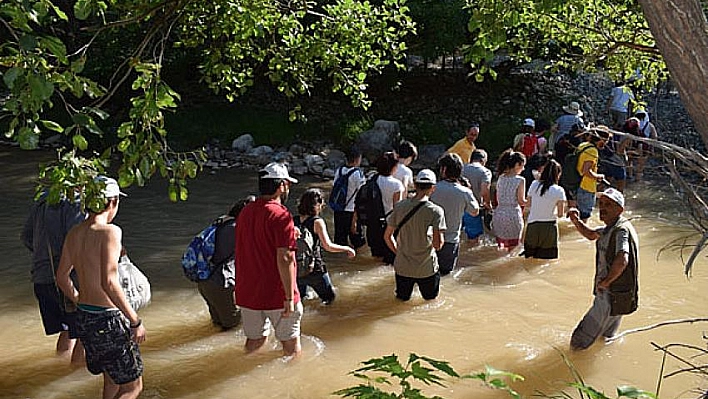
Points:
263	226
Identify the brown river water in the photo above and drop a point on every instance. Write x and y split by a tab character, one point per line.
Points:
504	311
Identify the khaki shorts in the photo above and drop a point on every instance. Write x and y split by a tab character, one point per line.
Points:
256	323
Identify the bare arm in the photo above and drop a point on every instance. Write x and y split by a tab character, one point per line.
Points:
486	203
583	229
618	265
560	208
521	193
327	244
286	270
587	171
438	240
355	218
397	197
390	241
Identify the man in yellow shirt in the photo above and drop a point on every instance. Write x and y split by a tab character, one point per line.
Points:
587	168
465	146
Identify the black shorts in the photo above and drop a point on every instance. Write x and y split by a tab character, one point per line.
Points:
52	308
429	287
109	348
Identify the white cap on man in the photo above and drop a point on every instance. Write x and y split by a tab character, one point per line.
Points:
426	176
613	194
111	188
276	170
529	122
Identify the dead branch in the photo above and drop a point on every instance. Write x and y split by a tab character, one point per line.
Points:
657	325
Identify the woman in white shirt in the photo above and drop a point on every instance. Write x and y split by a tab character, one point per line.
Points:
546	202
391	192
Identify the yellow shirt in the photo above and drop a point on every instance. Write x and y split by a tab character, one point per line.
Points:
591	154
463	148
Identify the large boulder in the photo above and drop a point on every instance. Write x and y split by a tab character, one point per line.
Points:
428	156
315	163
243	143
382	138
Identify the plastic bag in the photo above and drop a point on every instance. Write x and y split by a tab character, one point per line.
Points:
134	283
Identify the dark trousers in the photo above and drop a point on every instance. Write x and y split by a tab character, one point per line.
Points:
374	236
342	230
429	287
320	282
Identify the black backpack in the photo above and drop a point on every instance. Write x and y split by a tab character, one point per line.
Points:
369	202
305	254
570	178
339	198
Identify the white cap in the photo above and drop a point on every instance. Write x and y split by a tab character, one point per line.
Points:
111	188
614	195
529	122
426	176
276	170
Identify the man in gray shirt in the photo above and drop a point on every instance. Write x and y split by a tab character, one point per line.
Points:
480	179
43	234
455	199
415	218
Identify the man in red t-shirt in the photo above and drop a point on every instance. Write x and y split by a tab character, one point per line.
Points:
266	288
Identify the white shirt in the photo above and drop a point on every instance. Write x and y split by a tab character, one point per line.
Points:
388	186
543	206
356	180
620	98
405	175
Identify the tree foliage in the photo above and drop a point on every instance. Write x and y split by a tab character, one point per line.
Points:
611	35
295	44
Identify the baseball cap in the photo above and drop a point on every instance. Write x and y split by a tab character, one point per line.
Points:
426	176
614	195
529	122
111	188
276	170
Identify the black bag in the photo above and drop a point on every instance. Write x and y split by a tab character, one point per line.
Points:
369	203
623	302
570	178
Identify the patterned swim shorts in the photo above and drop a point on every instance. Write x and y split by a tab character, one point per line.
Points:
109	348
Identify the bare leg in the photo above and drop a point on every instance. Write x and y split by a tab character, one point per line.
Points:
292	347
253	345
65	345
130	390
78	355
110	388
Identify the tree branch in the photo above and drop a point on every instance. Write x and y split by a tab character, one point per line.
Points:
657	325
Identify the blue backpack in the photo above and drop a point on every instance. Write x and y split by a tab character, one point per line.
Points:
339	198
196	260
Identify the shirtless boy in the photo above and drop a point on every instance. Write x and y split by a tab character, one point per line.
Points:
108	327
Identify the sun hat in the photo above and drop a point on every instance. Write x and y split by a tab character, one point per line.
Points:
426	176
601	132
529	122
111	188
276	170
613	194
573	108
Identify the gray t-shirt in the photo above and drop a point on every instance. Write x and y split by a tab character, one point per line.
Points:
477	174
455	199
416	257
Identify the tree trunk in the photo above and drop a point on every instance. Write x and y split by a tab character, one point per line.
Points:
681	33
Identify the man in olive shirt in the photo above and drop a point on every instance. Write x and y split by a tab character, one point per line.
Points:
416	261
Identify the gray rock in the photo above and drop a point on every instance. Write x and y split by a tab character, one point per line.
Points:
261	150
378	140
329	173
299	170
336	158
297	150
243	143
428	155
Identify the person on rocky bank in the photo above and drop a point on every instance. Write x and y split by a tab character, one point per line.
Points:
466	145
616	287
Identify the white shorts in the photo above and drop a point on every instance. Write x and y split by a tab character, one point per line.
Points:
256	323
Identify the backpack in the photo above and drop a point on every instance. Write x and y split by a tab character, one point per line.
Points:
196	260
570	178
305	254
339	197
369	202
529	145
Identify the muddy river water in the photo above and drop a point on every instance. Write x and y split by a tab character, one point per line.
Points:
504	311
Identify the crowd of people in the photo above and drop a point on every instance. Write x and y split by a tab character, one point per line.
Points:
414	222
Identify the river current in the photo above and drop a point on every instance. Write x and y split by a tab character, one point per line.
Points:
497	309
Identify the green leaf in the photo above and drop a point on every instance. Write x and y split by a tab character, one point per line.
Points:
28	138
40	87
51	125
10	76
82	120
82	9
79	142
632	392
28	42
123	145
56	47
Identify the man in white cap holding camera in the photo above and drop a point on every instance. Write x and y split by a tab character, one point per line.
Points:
408	236
616	286
106	324
266	288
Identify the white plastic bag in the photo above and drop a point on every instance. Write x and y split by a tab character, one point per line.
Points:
134	283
